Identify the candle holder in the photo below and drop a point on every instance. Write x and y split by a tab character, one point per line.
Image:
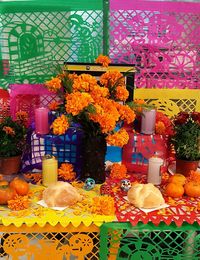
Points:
42	120
49	170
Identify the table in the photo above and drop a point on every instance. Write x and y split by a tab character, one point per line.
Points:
50	242
149	242
169	233
45	233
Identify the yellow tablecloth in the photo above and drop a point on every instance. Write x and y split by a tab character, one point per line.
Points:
39	215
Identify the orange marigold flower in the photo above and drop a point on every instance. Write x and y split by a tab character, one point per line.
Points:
106	115
139	105
98	92
118	171
34	177
104	60
139	101
119	138
54	105
60	125
98	110
9	130
84	82
108	107
19	203
194	176
103	205
112	77
72	76
106	121
22	117
160	128
54	84
126	113
66	172
77	101
121	93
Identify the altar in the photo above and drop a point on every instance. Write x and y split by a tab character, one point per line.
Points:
155	52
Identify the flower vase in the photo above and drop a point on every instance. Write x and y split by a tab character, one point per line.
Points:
93	158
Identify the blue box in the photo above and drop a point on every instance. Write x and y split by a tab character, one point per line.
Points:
113	154
67	147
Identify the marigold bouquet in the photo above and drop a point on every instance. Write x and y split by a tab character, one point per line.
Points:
98	106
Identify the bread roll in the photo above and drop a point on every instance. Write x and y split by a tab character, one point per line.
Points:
61	194
145	196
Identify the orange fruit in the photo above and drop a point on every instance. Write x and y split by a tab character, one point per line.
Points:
174	190
178	178
20	186
192	189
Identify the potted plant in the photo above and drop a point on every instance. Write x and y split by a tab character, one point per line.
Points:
186	140
12	142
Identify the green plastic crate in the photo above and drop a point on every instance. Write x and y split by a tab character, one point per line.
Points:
37	35
149	242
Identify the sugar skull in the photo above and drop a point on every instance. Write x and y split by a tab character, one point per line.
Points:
89	184
125	185
105	189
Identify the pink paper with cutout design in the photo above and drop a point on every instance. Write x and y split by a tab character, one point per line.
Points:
160	38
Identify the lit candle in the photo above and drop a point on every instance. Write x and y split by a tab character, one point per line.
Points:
154	170
41	120
49	170
148	121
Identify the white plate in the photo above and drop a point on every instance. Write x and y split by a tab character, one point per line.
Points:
172	168
152	209
43	204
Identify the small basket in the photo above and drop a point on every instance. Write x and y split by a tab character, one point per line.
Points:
67	148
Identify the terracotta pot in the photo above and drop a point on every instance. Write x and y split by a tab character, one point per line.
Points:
10	165
184	167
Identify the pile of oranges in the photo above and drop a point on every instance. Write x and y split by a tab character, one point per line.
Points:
8	191
178	185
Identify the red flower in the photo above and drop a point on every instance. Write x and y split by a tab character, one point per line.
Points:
196	116
181	118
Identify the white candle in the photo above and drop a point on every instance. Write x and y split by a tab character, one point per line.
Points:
154	172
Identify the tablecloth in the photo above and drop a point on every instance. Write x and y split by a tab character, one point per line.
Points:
180	210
